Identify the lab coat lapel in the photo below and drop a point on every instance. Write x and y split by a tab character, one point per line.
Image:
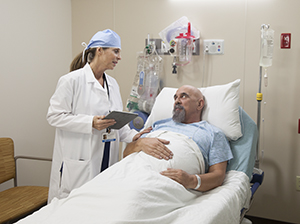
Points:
90	78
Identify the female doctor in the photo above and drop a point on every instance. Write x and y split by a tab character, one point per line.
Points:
81	100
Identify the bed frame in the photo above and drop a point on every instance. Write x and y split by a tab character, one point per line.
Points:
247	159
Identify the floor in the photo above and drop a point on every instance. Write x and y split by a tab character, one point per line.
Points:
256	220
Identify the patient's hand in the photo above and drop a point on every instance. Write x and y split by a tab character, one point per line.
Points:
180	176
155	147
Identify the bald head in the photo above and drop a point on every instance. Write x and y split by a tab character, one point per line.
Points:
188	104
195	92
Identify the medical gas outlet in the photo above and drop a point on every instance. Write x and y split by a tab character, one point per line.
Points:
213	46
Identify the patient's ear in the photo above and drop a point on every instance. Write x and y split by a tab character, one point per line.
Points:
200	104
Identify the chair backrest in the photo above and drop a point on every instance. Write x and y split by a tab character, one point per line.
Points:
7	161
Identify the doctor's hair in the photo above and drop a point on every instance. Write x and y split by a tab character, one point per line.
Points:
89	55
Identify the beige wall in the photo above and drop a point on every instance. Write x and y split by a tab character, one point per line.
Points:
238	23
39	38
35	45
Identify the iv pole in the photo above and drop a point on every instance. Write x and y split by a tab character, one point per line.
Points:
259	97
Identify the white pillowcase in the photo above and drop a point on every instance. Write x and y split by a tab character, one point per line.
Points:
222	107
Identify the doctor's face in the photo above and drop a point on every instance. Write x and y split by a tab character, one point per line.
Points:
110	57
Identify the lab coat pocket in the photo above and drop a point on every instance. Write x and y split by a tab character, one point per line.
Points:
74	174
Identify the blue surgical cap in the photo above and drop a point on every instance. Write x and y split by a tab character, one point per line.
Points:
105	38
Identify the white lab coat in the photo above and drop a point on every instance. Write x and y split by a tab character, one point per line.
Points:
77	99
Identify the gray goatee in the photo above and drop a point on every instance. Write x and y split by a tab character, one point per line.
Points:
178	115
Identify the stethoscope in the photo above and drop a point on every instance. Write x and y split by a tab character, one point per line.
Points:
106	84
108	130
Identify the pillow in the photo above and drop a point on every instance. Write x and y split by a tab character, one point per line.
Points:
221	110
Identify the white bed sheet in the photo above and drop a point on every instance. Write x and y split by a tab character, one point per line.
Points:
133	191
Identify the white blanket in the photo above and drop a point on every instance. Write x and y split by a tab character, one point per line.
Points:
133	191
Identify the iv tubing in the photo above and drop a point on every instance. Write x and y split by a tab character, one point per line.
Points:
204	53
182	64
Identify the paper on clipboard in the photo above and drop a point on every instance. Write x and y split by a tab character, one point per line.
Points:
122	118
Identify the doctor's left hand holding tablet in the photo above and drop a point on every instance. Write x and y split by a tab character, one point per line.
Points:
99	123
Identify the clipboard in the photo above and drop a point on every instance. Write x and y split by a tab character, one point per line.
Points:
122	118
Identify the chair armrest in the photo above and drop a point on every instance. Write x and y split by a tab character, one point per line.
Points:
33	158
28	157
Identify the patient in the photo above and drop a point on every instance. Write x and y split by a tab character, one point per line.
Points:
188	106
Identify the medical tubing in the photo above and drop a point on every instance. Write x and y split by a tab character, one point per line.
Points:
266	78
182	64
204	54
263	127
150	67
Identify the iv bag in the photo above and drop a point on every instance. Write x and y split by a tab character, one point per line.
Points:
146	82
266	47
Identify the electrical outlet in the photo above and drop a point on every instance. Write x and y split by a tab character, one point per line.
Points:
298	183
213	46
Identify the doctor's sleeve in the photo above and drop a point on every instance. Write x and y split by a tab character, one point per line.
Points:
60	110
126	134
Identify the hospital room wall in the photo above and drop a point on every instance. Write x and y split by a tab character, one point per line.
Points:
238	23
35	45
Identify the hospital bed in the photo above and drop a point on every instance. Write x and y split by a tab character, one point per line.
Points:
132	191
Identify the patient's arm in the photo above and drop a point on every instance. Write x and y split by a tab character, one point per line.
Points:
210	180
152	146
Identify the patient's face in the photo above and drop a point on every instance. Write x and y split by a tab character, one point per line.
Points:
185	105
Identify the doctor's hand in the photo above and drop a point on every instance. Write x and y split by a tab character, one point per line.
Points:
182	177
138	135
100	124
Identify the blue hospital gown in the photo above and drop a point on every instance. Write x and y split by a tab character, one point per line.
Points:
211	141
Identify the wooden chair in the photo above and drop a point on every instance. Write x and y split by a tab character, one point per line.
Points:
17	202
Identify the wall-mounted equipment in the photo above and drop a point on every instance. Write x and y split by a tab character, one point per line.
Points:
285	41
214	46
179	40
146	81
162	49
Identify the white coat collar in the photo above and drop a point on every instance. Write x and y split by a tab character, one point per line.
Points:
90	77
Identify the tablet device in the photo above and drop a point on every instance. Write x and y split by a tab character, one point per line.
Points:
121	118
